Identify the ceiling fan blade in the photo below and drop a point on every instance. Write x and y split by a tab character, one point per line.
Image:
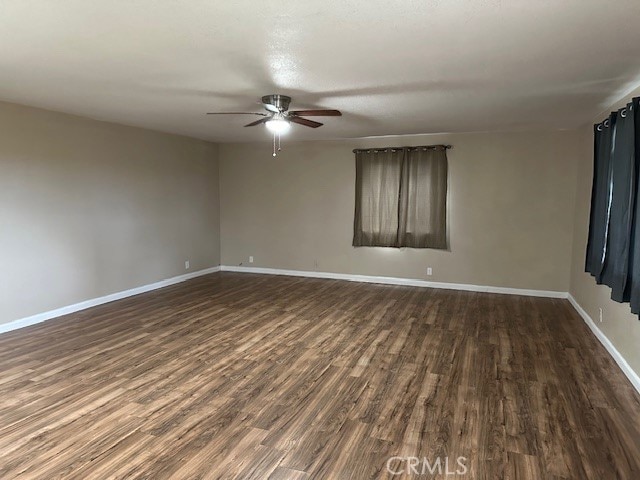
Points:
304	121
317	113
258	122
271	108
237	113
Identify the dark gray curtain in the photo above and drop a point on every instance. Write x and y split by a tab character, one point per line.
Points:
401	196
613	247
600	197
632	290
622	195
596	200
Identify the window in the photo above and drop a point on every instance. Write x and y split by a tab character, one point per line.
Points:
401	197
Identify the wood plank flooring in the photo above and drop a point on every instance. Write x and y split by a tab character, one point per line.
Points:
249	376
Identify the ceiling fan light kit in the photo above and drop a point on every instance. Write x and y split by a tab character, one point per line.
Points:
278	124
279	119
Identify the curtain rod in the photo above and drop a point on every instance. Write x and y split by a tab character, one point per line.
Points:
606	123
394	149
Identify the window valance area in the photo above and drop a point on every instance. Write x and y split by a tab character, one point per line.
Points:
613	247
401	197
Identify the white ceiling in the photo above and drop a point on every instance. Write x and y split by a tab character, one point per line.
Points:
392	67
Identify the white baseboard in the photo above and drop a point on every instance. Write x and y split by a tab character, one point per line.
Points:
617	356
41	317
397	281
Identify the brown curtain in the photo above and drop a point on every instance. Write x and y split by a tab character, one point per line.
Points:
378	175
401	196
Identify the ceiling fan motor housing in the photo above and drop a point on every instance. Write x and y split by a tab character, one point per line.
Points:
281	102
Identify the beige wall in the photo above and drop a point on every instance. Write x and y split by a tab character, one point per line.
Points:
511	205
619	325
90	208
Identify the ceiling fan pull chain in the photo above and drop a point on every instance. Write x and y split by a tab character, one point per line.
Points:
279	142
274	144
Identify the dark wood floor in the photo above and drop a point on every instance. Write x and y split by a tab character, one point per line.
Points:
250	376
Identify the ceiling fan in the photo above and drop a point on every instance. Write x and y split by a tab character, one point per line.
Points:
279	118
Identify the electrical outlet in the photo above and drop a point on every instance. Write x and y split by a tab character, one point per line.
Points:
600	311
429	271
186	265
250	258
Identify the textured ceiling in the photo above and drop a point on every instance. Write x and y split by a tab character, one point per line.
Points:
392	67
